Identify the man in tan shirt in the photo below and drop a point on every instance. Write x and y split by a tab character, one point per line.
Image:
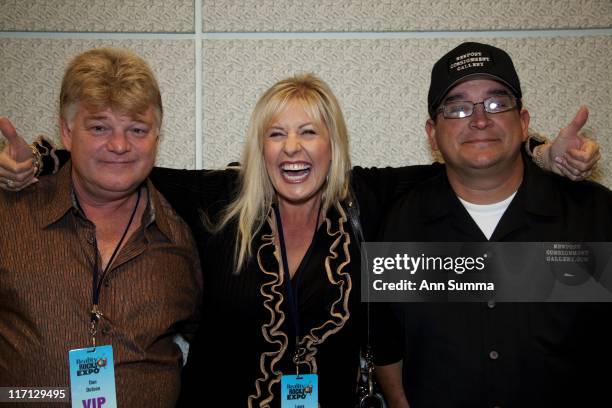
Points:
94	253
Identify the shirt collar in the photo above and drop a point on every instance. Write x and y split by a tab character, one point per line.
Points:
536	192
62	199
158	212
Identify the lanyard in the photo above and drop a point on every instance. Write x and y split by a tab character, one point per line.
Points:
292	296
96	284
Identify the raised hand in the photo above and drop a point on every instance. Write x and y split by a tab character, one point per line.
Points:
572	154
17	168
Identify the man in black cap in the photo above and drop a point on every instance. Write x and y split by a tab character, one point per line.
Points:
488	354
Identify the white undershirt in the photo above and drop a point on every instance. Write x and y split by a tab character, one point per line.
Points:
487	216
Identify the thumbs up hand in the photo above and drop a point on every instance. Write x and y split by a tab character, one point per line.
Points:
16	165
572	154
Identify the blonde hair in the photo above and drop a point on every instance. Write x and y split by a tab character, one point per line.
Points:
110	77
256	193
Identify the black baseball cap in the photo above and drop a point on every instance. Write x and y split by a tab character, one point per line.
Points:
466	60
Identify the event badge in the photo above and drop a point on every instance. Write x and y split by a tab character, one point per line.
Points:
92	377
299	391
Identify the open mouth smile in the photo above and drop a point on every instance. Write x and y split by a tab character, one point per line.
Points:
295	172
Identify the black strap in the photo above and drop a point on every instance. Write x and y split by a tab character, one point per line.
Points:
96	285
369	396
354	218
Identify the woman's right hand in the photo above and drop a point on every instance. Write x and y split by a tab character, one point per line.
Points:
17	168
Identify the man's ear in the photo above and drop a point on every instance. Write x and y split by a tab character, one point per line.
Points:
525	117
430	129
65	134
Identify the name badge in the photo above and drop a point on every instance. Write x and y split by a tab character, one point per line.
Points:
92	377
300	391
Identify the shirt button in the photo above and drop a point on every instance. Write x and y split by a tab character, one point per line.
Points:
105	331
90	239
493	355
491	304
107	282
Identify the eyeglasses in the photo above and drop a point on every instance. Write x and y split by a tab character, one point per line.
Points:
464	109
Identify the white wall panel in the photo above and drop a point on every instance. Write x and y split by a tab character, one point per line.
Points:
401	15
97	15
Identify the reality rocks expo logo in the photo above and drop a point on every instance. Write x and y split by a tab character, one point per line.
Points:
90	366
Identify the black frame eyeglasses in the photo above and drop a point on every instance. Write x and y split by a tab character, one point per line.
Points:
465	109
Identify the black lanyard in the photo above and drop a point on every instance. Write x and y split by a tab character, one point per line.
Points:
97	284
292	296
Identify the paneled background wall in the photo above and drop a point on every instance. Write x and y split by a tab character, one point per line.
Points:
214	57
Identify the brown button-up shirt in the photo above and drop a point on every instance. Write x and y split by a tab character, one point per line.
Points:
151	292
